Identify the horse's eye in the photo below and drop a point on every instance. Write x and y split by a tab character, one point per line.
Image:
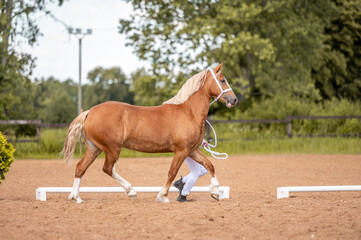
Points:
223	81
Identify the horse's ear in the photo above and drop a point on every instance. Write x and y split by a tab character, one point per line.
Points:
218	68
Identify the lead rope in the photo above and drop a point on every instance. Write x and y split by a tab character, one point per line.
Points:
206	145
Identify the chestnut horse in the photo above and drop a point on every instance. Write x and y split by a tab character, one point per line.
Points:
176	126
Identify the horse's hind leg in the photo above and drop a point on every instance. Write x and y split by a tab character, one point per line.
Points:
111	158
90	155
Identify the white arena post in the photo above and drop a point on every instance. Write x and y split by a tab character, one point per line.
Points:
284	192
41	191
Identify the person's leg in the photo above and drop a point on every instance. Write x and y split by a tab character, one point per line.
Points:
180	182
197	171
195	168
185	184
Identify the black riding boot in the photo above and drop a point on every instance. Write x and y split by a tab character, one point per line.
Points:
180	184
182	198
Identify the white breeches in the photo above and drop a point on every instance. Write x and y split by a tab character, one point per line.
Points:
197	171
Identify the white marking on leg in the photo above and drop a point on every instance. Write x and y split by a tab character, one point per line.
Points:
75	191
214	181
127	186
214	187
161	197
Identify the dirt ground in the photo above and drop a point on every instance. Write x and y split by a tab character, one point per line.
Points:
252	212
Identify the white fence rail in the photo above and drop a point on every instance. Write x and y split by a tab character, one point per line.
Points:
284	192
42	191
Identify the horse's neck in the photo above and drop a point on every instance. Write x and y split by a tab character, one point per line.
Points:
199	104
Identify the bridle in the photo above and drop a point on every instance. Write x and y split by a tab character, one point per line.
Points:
219	85
206	145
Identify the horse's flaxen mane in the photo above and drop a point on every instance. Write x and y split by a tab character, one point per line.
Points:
189	87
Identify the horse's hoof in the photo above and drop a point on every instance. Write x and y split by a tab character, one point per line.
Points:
165	199
71	196
132	193
161	198
215	196
77	199
215	192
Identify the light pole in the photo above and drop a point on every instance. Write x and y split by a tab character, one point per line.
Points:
78	32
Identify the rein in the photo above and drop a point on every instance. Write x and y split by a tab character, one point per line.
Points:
206	145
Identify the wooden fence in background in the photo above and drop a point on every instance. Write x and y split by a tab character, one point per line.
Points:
287	121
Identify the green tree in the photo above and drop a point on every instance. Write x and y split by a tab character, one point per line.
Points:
338	73
107	85
268	47
17	24
56	101
151	90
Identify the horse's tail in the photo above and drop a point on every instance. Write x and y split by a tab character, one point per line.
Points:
75	132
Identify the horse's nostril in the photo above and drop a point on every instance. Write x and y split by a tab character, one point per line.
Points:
235	100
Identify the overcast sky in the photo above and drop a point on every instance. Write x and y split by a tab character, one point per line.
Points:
57	52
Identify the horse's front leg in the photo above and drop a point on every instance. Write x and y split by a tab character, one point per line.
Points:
178	159
198	156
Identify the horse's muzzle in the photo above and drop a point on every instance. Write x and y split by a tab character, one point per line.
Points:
231	101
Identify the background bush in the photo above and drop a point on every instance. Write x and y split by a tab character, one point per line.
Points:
6	156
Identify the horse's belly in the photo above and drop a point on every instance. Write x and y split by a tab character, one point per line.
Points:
148	146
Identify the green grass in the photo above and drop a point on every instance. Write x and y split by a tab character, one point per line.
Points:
52	140
293	146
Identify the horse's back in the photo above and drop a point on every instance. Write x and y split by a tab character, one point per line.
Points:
113	105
